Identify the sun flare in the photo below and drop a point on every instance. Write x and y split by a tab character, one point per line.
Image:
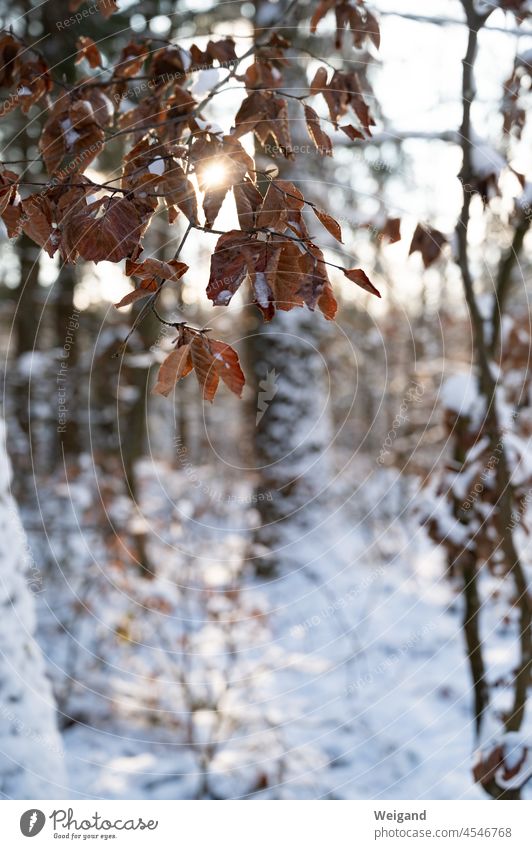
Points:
214	174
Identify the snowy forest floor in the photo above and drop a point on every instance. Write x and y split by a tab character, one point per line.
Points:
344	677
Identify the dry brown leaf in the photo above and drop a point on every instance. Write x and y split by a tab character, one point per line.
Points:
146	288
358	276
177	365
318	136
330	223
227	365
204	368
88	50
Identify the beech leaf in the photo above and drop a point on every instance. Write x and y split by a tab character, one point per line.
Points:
361	279
330	223
177	365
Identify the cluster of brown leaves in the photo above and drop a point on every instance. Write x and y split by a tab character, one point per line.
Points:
495	764
152	274
265	112
172	145
516	87
24	72
520	8
286	269
222	51
152	170
342	92
210	359
66	218
350	17
74	133
472	483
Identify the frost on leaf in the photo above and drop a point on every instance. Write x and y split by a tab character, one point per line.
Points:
228	267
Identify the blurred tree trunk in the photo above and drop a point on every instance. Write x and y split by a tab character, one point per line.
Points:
27	314
134	427
66	318
290	420
292	432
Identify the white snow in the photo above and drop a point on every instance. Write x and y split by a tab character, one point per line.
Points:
31	762
126	105
525	199
70	135
108	104
262	289
484	6
157	166
460	395
486	160
205	81
210	126
186	58
366	620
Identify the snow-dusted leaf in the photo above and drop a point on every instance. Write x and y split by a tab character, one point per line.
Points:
321	10
131	60
315	277
228	267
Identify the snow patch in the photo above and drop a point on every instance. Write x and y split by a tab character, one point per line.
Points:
157	167
262	289
460	395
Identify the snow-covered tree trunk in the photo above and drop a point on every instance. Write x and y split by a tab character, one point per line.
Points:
31	759
293	434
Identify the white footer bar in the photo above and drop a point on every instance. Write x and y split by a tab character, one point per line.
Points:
268	825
